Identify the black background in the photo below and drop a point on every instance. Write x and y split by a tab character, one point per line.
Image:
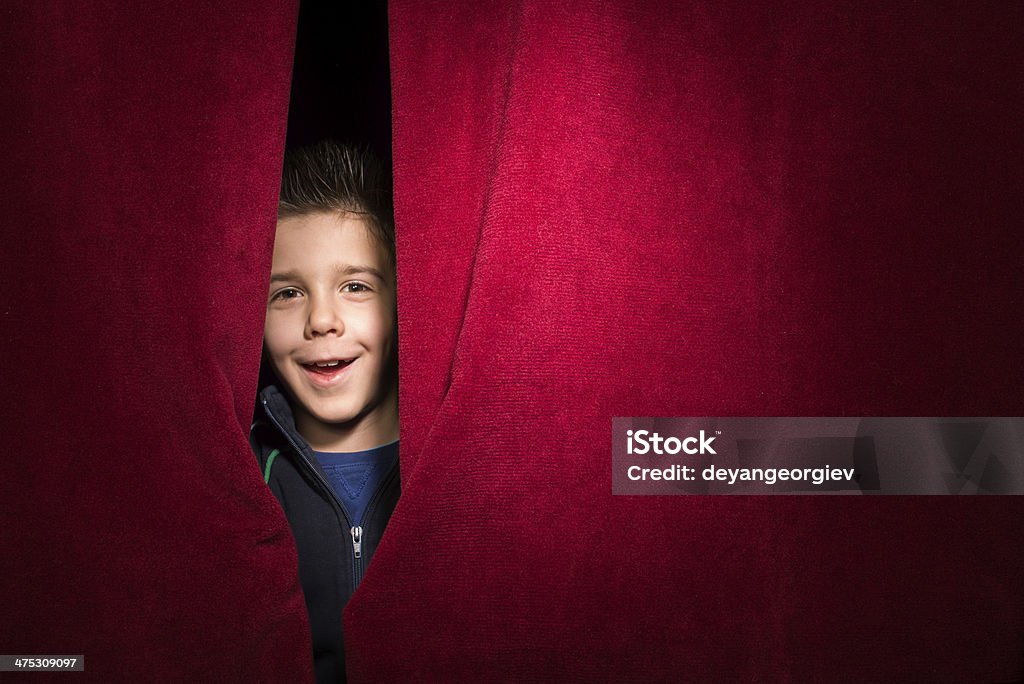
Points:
341	81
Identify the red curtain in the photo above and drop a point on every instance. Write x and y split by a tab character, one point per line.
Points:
604	209
142	157
625	209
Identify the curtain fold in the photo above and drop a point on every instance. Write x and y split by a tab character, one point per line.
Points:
604	210
617	209
143	153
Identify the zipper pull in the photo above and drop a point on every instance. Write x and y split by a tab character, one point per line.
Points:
357	541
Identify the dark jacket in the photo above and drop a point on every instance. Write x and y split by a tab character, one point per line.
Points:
333	554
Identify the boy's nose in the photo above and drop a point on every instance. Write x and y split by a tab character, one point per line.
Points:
324	319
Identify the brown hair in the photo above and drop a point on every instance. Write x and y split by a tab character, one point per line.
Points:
330	177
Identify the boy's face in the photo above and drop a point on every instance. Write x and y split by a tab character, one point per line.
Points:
332	301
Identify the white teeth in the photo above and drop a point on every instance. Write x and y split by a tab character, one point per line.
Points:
328	364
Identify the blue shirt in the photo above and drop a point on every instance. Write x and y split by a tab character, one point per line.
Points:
356	475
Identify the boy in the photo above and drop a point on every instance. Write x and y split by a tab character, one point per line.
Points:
326	436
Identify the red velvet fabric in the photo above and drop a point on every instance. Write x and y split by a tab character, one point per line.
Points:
636	209
143	147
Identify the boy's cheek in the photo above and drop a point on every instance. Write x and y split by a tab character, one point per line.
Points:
276	327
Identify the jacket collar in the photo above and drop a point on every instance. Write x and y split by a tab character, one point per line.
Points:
280	413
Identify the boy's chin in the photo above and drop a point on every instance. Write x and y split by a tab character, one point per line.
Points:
340	419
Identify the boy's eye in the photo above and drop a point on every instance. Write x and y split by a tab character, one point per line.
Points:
287	293
355	287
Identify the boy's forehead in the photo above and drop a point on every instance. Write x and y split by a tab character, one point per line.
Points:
314	225
327	241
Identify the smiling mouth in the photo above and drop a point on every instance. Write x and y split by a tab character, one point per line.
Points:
327	367
326	373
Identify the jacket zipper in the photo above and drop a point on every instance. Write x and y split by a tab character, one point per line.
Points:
355	531
339	510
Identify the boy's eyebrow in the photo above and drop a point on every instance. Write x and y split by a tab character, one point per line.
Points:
359	269
287	275
341	270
